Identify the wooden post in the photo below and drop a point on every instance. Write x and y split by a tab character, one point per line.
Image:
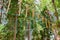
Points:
28	29
15	27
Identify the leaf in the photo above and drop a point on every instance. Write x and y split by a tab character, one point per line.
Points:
1	27
39	27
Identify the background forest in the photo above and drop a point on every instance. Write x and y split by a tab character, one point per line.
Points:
29	19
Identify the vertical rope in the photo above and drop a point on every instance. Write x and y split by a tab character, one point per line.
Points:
15	27
26	10
28	29
33	13
8	6
19	3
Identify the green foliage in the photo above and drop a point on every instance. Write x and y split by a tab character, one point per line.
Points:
13	7
39	28
57	3
59	33
1	27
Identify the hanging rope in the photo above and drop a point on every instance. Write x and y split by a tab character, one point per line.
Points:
19	3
